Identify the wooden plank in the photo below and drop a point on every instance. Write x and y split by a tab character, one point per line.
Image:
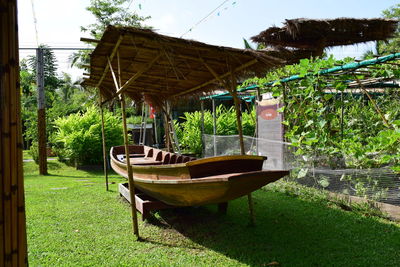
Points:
144	203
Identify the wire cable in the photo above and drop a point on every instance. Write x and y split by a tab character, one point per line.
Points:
200	21
35	23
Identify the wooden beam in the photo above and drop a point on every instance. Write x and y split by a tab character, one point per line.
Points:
212	71
89	40
248	64
138	74
232	89
103	138
119	70
129	168
113	75
161	63
145	90
121	37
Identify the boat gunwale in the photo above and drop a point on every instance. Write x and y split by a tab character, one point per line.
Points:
191	163
229	177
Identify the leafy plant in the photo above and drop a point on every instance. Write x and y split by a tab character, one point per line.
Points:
189	131
78	136
334	126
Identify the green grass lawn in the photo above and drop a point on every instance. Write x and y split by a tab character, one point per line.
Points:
73	221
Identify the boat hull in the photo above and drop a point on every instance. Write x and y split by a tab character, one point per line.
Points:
208	190
195	182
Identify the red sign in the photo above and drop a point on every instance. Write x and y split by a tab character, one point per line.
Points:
269	114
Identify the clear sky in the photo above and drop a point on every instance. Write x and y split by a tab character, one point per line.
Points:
58	22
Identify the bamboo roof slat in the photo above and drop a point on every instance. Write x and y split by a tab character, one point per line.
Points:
181	66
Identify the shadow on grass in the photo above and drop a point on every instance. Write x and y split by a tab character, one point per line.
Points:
290	231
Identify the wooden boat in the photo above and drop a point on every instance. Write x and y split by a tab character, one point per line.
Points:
186	181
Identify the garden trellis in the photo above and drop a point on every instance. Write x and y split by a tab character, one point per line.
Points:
325	105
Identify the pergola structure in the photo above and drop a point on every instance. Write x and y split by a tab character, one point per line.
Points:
147	66
155	68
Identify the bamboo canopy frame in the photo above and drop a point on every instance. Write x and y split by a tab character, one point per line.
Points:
13	247
156	68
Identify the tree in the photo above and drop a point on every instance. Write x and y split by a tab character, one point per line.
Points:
106	12
393	44
49	65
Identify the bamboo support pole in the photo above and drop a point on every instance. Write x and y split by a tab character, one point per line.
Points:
13	250
129	168
256	117
202	123
233	92
167	128
214	127
103	138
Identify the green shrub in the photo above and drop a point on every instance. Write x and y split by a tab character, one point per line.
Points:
189	131
34	152
78	136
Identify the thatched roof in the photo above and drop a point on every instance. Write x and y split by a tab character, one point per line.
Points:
316	34
156	66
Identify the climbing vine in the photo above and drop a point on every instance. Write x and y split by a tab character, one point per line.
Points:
332	125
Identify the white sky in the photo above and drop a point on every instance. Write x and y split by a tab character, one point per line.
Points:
58	22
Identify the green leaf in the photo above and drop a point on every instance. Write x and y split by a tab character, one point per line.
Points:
324	182
322	123
328	96
302	173
281	109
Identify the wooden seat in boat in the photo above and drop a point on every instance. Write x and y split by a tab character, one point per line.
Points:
144	161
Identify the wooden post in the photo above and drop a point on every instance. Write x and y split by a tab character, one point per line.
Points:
129	168
167	126
13	250
166	132
214	127
103	137
202	123
236	100
256	118
41	102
